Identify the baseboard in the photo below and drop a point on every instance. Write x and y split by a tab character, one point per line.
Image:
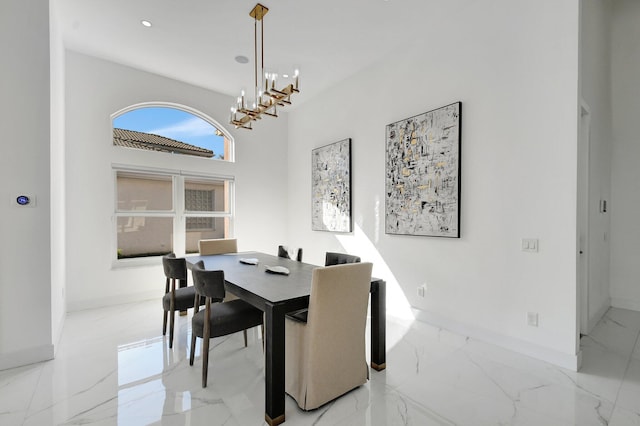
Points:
561	359
633	305
103	302
26	357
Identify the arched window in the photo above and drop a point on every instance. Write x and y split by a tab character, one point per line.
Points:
171	128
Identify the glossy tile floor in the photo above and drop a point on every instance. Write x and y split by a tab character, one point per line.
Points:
113	367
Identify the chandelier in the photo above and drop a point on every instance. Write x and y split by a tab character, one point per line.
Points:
267	98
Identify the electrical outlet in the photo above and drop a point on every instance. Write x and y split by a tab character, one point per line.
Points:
532	319
421	290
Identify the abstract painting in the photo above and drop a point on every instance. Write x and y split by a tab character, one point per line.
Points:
423	174
331	187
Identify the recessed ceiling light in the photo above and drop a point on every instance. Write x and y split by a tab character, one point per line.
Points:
146	23
242	59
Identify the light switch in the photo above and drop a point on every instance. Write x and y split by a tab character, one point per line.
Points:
530	244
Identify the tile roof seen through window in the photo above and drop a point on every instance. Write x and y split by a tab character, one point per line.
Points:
151	142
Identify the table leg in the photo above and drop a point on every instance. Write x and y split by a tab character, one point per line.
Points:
274	364
378	325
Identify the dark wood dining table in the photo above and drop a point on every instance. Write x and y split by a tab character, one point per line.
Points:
276	295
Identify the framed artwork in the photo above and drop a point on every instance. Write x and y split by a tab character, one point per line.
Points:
331	187
423	174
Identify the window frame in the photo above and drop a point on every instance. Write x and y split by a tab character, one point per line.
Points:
178	211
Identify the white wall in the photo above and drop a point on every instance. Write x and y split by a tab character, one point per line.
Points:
514	66
595	89
625	198
95	89
25	252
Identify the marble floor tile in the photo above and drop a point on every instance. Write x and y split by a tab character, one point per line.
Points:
114	367
17	386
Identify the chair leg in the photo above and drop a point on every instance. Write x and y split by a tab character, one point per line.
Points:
164	323
193	348
245	337
206	333
172	305
205	361
171	321
262	330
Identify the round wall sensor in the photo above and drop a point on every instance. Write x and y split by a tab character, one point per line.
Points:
23	200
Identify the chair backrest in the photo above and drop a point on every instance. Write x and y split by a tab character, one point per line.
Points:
174	267
338	311
208	283
283	252
340	259
218	246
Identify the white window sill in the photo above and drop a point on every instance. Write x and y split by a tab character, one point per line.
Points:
136	262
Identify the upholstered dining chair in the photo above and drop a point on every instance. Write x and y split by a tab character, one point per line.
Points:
219	317
283	252
218	246
339	258
326	353
175	298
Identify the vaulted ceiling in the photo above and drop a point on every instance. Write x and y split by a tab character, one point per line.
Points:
196	41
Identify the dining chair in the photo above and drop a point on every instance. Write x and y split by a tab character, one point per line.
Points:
326	353
283	252
218	246
175	298
219	317
339	258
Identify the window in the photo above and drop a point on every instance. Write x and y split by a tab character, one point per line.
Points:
206	205
163	212
199	200
171	128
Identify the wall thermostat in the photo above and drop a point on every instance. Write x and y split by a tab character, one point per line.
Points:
25	200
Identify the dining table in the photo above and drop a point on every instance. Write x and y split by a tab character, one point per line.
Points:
247	275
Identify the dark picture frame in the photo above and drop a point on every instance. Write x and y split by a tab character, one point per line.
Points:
331	187
422	183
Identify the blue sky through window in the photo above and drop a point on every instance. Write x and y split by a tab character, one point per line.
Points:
172	123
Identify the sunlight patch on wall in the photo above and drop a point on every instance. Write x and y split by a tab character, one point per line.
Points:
359	244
